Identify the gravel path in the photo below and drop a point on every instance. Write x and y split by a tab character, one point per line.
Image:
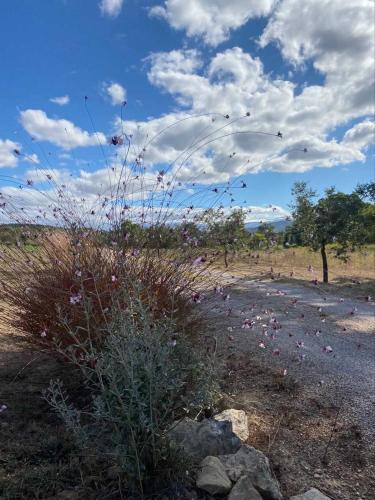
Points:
325	344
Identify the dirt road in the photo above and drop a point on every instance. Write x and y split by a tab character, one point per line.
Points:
305	354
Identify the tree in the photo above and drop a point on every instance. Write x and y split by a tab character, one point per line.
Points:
291	236
335	218
366	190
269	232
227	231
132	235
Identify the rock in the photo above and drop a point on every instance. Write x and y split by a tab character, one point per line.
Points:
312	494
244	490
206	438
248	461
213	478
238	418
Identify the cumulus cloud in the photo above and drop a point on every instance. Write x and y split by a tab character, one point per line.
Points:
115	92
111	8
61	101
338	38
211	20
60	132
335	37
7	156
54	195
361	135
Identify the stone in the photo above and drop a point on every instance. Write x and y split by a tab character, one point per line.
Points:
244	490
213	478
238	418
206	438
312	494
250	462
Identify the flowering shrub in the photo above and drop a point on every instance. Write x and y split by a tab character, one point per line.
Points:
146	376
73	280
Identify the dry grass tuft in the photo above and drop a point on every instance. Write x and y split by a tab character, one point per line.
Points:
74	279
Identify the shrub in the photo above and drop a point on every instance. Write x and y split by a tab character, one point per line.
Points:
72	271
146	376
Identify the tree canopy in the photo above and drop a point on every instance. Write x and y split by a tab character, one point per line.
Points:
336	218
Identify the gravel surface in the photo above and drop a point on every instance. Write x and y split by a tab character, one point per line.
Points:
326	344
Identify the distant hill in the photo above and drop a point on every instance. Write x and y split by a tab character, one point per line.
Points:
279	225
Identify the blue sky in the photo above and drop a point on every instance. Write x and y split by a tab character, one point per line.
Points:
289	67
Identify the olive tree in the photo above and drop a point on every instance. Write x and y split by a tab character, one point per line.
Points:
226	231
334	218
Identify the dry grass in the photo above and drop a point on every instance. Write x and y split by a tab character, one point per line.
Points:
293	263
74	279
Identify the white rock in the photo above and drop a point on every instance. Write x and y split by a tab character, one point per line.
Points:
312	494
208	438
238	418
250	462
213	478
244	490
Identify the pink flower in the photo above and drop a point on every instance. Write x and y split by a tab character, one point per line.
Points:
247	324
113	278
198	260
115	140
262	346
43	333
75	299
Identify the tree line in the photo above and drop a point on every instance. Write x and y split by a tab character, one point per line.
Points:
343	221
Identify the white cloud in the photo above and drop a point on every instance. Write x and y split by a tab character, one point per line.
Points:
338	38
7	155
60	132
61	101
31	158
361	135
116	92
111	8
52	196
234	83
335	36
211	19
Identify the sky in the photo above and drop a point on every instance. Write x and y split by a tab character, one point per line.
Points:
304	69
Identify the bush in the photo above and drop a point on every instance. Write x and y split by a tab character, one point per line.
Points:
74	272
146	376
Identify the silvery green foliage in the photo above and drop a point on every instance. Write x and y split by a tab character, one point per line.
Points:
146	377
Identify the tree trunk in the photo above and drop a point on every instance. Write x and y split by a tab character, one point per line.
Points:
226	258
325	262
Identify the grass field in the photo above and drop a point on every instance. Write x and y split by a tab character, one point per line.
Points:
305	264
357	272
